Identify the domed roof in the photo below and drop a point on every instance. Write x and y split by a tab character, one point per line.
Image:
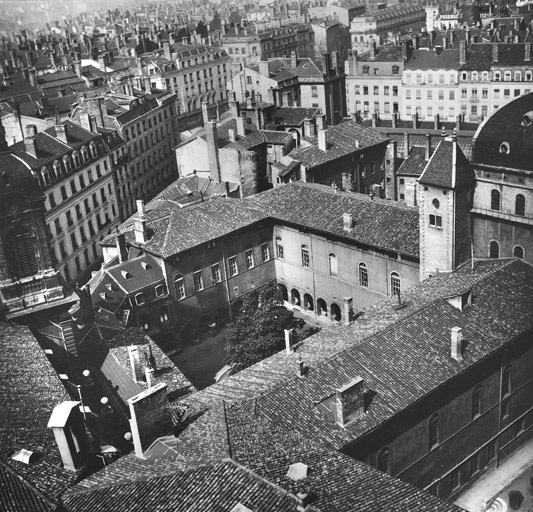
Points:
16	178
506	138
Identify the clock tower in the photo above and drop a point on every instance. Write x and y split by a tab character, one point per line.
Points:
28	281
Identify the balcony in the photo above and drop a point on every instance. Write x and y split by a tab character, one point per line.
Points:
508	215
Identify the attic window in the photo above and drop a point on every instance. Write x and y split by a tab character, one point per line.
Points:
125	274
505	148
527	119
461	301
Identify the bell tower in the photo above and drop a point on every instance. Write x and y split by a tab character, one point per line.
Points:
446	191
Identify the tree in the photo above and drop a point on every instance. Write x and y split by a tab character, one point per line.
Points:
258	329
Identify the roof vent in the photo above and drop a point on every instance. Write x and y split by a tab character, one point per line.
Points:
146	265
461	301
241	508
23	455
527	119
297	471
125	274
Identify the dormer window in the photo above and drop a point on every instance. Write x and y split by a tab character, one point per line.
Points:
57	168
67	163
85	153
505	148
140	299
76	156
461	301
92	148
160	290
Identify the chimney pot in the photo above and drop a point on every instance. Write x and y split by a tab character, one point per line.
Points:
347	219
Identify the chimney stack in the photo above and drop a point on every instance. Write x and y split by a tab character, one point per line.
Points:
322	140
527	52
347	221
122	250
395	119
29	140
457	344
494	52
61	133
415	120
309	129
139	224
212	150
462	52
150	417
406	144
135	362
240	127
350	401
294	60
428	146
436	121
289	342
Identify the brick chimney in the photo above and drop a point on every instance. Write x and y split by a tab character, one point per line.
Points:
350	401
29	140
70	435
150	417
139	224
457	344
322	140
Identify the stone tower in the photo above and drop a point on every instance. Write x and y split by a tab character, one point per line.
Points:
446	190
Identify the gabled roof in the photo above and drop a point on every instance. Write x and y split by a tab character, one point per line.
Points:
414	164
136	274
377	223
341	140
402	354
173	229
294	116
448	167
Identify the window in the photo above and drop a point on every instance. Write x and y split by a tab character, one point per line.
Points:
435	221
140	299
333	267
376	90
434	431
497	76
365	90
179	284
495	200
305	256
314	91
491	451
520	205
408	94
395	90
395	70
233	269
518	252
363	275
441	94
386	89
474	463
476	402
265	252
215	273
144	323
198	280
279	248
494	249
506	409
160	290
454	478
249	257
73	241
383	460
163	314
430	94
366	69
395	284
506	380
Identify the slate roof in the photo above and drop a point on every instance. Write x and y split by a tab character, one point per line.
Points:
137	274
29	391
403	354
340	142
377	223
438	173
430	59
414	164
505	125
173	229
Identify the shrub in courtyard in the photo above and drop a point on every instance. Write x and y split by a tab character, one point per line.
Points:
515	499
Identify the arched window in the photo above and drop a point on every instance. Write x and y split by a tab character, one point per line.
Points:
434	431
494	249
395	284
45	173
305	256
21	253
495	199
179	285
383	460
67	163
497	76
363	275
474	76
485	76
529	76
517	76
333	267
57	168
85	153
92	148
279	249
476	402
507	76
520	205
518	252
